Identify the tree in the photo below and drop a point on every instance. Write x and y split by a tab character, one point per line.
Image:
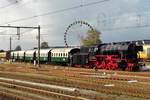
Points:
44	45
1	50
93	37
35	48
18	48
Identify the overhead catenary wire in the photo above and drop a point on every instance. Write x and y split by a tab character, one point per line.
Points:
8	5
56	11
66	9
111	29
14	5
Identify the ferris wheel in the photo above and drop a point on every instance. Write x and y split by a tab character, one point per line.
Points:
75	32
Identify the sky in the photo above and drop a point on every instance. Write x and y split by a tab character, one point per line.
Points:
117	20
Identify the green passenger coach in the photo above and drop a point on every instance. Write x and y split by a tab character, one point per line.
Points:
21	55
44	55
51	55
62	55
30	55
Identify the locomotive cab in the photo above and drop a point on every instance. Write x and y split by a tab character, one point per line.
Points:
83	58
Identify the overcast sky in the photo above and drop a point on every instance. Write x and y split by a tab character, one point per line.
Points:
118	20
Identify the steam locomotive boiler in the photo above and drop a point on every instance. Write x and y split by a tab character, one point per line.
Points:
122	56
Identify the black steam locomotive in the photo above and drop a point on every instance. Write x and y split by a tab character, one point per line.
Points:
110	56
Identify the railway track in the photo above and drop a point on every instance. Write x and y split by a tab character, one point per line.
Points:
120	88
83	71
39	91
87	83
